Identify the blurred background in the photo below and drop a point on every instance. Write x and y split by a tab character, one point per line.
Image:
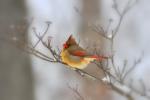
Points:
24	77
16	81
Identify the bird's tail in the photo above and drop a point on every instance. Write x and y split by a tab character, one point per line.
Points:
99	58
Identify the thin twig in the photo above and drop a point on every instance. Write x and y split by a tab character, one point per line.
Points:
75	90
48	25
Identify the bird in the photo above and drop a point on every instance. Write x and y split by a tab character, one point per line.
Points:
75	56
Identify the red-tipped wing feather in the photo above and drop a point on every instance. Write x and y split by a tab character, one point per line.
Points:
79	53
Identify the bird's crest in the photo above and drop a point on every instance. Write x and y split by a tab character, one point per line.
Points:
69	42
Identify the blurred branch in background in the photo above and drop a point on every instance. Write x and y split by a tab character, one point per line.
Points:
77	93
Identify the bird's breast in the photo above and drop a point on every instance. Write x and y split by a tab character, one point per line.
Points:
75	61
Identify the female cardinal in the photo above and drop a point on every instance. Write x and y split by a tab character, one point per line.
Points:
75	56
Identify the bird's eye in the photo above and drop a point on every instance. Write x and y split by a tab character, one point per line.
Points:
65	45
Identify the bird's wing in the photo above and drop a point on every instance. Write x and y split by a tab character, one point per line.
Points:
80	52
77	51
